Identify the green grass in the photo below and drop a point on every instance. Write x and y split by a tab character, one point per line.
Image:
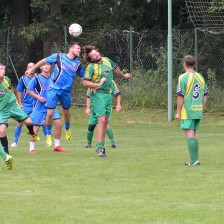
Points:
142	181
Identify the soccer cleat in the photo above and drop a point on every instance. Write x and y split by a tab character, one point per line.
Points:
101	152
13	145
35	136
8	162
68	134
113	146
59	149
88	146
33	151
49	140
196	163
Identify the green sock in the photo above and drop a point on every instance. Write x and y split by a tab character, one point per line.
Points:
100	145
196	149
89	137
2	153
110	135
192	149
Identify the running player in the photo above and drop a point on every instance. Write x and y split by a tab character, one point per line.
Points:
38	88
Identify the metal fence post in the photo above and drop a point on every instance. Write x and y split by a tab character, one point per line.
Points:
131	48
196	47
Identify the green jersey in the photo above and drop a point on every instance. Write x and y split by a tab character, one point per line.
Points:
7	97
192	86
95	72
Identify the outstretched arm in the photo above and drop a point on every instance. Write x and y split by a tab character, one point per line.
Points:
117	71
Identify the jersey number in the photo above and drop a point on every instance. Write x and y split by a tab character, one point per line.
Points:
196	93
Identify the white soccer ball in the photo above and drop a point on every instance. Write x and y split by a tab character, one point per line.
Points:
75	29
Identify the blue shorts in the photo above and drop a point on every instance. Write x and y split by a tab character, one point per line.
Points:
38	117
28	109
58	95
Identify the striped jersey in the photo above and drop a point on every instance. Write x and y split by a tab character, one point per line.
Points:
40	85
94	72
64	71
192	86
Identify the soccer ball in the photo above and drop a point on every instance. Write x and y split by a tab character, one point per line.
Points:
75	29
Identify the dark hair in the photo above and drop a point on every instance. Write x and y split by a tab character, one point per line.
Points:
87	49
189	60
2	64
71	44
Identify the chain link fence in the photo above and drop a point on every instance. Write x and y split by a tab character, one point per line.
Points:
142	53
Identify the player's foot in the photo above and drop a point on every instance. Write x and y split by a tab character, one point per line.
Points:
35	136
59	149
49	140
33	151
113	146
68	134
13	145
87	146
8	162
197	163
101	152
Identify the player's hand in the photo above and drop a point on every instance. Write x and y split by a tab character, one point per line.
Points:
41	99
127	75
177	117
88	112
102	81
118	108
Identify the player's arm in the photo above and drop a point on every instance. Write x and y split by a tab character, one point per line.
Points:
205	100
118	103
37	65
180	101
90	84
19	95
88	110
117	71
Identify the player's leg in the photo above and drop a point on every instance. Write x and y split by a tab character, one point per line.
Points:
3	138
32	149
17	132
65	99
6	158
110	135
57	132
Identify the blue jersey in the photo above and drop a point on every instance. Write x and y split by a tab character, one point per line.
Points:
27	100
64	71
40	85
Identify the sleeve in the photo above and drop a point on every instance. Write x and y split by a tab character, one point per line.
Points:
181	89
89	72
80	72
114	89
51	59
20	87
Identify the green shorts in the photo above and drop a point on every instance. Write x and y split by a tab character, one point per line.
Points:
15	112
191	124
94	119
101	104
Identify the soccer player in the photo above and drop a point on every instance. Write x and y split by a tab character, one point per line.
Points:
98	68
25	101
65	69
93	119
10	109
192	94
38	88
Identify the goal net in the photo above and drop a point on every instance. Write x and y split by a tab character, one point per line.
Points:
207	15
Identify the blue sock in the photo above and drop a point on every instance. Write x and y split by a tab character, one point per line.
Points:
45	130
67	125
17	133
48	129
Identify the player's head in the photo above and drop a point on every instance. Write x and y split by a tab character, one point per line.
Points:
46	68
92	54
74	48
189	61
2	70
30	66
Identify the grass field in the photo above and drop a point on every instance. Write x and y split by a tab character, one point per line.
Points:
142	181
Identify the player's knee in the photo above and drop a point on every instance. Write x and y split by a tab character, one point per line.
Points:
91	127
